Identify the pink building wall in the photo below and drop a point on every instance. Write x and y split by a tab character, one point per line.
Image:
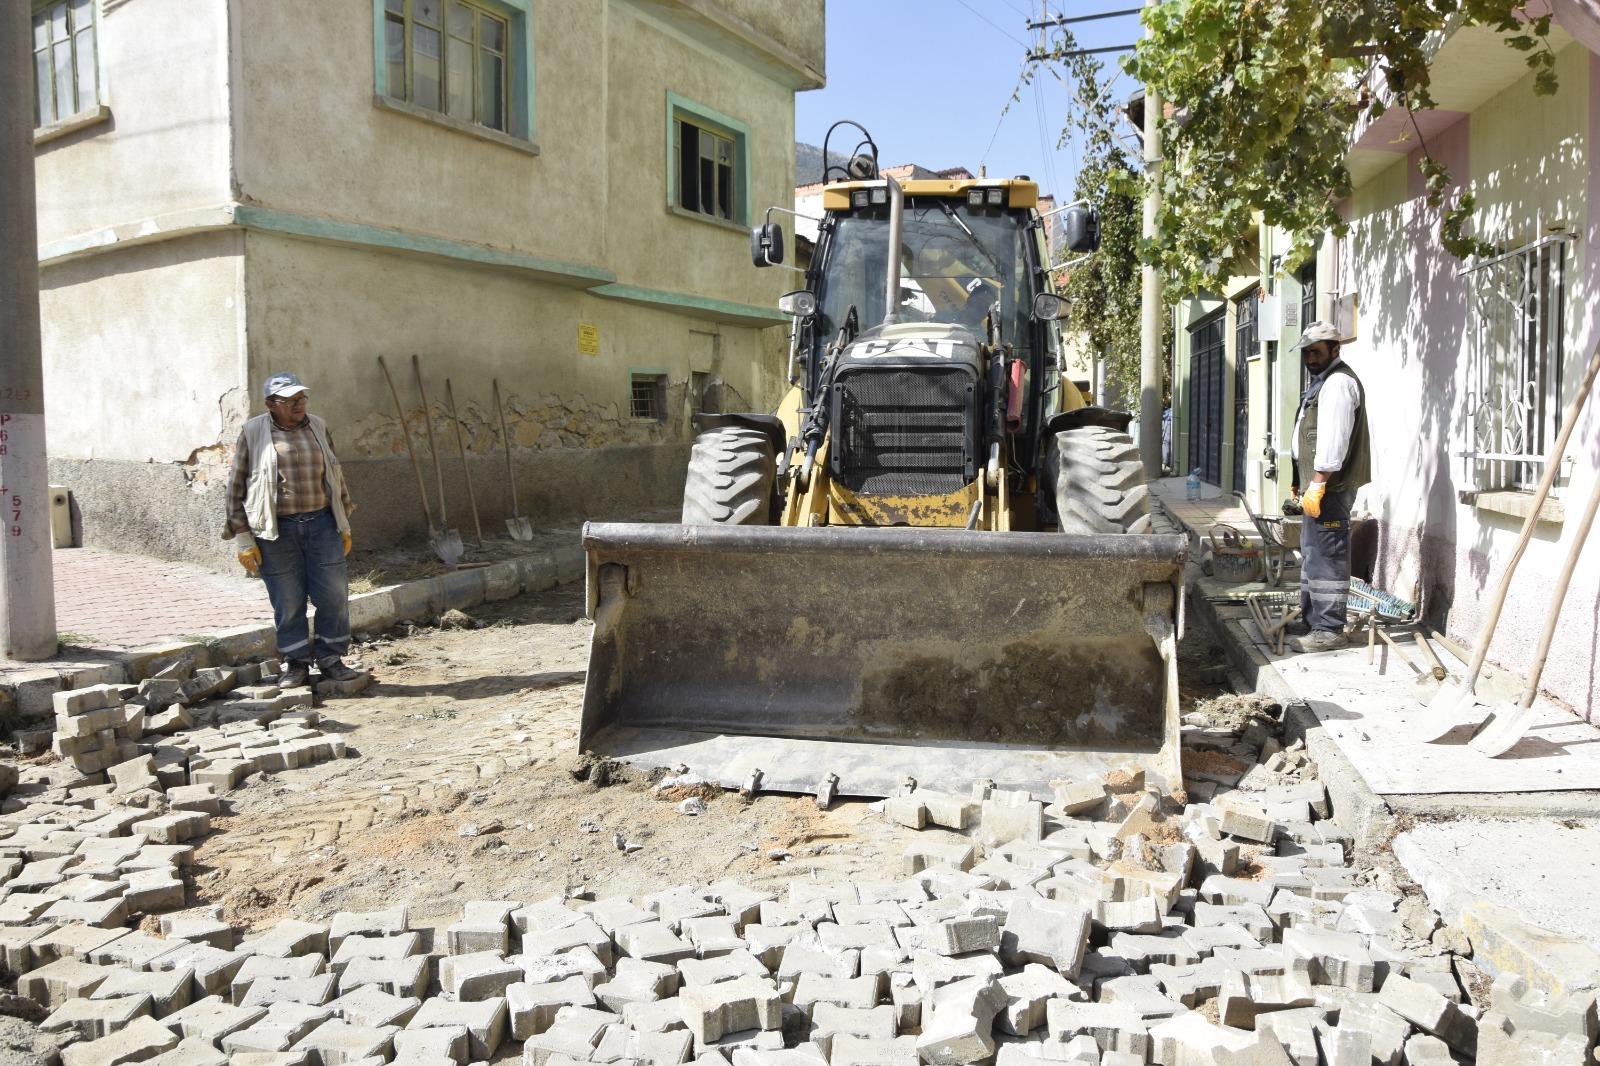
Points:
1412	354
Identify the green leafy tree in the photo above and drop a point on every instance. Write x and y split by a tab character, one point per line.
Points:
1265	97
1105	288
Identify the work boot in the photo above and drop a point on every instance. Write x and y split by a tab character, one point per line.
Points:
334	669
1321	640
296	674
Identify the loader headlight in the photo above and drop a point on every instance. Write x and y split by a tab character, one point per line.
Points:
996	197
974	197
880	196
858	199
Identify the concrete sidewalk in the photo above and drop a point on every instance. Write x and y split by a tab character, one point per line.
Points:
120	615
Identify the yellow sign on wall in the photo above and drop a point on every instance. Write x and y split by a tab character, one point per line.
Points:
588	339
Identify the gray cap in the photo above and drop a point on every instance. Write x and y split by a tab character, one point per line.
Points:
1318	333
284	384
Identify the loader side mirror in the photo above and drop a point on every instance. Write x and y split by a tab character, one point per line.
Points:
801	303
1081	229
766	244
1047	307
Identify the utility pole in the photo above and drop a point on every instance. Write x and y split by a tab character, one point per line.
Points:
1150	296
27	587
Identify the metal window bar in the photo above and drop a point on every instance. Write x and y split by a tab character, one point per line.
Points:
645	398
1515	356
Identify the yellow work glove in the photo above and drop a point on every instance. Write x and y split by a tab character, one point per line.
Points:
346	538
1311	502
250	559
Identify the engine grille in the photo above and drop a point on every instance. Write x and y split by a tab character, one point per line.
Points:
904	432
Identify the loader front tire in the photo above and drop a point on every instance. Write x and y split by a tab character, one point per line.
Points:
731	474
1099	481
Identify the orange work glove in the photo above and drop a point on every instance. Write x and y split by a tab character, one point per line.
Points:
1311	502
346	538
250	559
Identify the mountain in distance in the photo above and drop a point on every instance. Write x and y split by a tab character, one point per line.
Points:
808	162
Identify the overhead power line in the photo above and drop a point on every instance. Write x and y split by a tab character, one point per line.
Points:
995	25
1060	20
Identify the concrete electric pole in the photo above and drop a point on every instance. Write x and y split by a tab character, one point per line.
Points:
1150	297
27	588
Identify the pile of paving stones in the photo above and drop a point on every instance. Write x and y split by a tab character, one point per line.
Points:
1108	923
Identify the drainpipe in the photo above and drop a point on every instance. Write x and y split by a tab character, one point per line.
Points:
897	222
27	592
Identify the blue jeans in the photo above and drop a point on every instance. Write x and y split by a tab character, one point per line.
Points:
307	560
1325	569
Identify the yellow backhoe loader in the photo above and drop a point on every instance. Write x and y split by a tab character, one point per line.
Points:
934	561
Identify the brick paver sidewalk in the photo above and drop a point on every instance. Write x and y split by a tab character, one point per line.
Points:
107	599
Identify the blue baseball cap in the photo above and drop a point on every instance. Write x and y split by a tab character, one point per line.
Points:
284	384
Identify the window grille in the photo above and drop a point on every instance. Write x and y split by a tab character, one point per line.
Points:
1514	364
1206	370
647	401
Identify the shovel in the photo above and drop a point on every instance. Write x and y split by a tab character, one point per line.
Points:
1455	701
466	470
446	542
416	468
1508	723
519	528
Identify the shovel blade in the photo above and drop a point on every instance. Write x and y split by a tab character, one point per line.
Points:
1505	727
519	528
1452	705
448	547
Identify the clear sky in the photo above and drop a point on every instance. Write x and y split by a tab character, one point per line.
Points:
930	78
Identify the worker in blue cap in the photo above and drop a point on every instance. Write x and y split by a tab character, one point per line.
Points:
290	511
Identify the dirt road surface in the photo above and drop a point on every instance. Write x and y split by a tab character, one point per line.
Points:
475	732
463	790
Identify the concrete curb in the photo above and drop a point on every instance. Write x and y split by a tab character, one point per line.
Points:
26	694
1356	808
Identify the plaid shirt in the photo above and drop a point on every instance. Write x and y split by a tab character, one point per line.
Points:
300	481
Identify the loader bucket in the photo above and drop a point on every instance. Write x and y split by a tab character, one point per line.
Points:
880	654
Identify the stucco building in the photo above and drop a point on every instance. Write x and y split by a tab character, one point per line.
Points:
554	193
1464	363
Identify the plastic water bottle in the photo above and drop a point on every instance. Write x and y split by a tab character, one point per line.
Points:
1191	487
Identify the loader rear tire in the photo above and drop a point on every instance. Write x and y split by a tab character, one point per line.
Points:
731	474
1099	482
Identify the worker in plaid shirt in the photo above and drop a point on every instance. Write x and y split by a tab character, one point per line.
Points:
290	511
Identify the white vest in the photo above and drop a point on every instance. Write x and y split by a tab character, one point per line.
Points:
260	496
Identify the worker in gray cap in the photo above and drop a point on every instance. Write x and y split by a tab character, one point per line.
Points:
290	511
1331	450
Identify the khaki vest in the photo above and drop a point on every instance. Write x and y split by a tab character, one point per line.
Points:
260	499
1357	468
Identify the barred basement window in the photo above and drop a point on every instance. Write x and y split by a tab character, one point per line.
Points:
648	401
65	76
448	56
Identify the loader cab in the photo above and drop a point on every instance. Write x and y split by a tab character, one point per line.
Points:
969	249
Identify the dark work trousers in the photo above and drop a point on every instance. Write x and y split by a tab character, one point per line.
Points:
1325	575
307	560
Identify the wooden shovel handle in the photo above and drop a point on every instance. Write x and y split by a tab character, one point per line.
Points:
1399	654
1439	672
1579	536
405	432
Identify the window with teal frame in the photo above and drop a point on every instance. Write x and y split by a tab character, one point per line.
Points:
468	60
708	162
66	76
